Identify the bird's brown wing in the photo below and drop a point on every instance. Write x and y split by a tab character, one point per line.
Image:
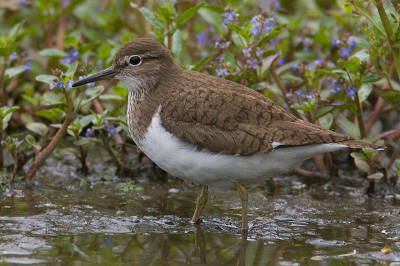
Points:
234	119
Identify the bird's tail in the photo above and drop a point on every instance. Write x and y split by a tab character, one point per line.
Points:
359	144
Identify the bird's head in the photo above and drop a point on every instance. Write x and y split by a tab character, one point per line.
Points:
139	64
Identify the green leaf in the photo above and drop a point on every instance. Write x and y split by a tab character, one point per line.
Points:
239	30
149	16
52	53
177	43
111	97
230	58
82	141
390	96
49	79
326	121
188	14
31	140
353	64
371	78
91	94
86	120
396	36
323	111
349	106
38	128
104	51
357	155
120	91
362	55
51	114
202	62
13	71
364	91
349	127
14	31
8	50
275	32
212	16
71	70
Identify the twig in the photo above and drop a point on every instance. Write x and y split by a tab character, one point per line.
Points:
309	174
3	71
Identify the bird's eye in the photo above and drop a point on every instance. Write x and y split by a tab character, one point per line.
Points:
135	60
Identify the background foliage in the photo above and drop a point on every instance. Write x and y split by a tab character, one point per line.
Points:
332	63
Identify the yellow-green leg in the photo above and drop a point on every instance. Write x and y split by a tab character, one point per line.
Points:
201	202
243	196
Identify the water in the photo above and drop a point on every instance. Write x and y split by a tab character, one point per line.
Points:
58	222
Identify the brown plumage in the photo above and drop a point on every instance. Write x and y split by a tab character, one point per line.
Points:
190	112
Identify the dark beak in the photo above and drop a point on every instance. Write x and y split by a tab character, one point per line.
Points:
108	73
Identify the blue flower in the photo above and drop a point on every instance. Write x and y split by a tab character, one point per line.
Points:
295	67
307	42
252	63
13	56
345	52
334	42
203	39
89	133
69	84
28	66
281	61
289	94
52	86
298	93
330	64
351	91
223	72
260	52
336	89
100	63
65	3
112	131
310	96
2	142
352	42
310	67
23	3
60	85
247	52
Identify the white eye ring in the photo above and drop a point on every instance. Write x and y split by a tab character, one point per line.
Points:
135	60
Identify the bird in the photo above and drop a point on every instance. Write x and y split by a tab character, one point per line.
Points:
209	130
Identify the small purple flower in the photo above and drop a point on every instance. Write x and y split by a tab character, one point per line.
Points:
60	85
112	131
89	133
65	3
281	61
23	3
13	56
298	93
289	94
345	52
334	42
252	63
260	52
312	32
336	89
295	67
307	42
52	86
318	61
69	84
67	59
105	122
28	66
330	64
221	44
204	54
223	72
310	67
310	96
352	42
2	142
100	63
203	39
351	92
247	52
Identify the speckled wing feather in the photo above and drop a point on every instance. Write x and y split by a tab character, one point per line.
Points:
225	117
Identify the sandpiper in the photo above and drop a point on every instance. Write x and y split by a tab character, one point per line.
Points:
209	130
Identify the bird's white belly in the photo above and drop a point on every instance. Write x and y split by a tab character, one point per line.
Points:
184	161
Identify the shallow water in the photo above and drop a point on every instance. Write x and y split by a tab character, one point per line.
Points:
58	222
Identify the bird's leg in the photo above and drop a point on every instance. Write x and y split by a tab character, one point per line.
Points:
201	202
243	196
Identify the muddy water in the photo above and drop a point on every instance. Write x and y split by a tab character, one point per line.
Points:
59	222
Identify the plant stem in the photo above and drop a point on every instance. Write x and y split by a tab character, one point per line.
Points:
389	33
50	148
3	71
385	71
1	146
111	153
